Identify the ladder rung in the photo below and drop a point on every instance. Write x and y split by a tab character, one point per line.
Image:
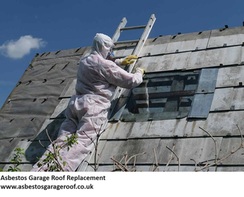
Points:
133	27
126	42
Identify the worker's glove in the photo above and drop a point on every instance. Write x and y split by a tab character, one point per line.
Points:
141	70
130	59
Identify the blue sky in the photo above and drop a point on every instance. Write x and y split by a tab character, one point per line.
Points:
28	27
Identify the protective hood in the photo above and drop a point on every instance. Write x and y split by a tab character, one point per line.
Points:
102	44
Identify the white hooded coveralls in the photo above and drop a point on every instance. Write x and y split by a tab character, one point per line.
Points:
87	111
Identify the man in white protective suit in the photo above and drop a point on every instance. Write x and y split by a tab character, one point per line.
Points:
87	111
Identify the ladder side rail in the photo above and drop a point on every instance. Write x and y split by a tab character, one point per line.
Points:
118	30
143	39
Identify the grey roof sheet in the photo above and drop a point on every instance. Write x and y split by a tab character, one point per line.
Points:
37	103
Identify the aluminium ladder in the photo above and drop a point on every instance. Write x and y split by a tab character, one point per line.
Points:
147	29
118	92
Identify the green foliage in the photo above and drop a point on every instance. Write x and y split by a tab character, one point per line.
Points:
72	140
16	160
53	161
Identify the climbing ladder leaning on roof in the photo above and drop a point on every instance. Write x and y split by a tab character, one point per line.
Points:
118	92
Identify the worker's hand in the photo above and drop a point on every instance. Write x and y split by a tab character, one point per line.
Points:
130	59
141	70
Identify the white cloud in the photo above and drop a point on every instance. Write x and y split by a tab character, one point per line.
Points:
17	49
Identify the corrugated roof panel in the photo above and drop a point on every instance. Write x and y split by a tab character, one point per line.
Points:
153	64
232	55
62	53
153	49
117	149
218	124
6	145
165	39
185	42
223	99
228	99
24	125
192	60
215	57
230	76
202	42
154	148
201	105
168	62
195	59
225	31
193	44
228	36
202	100
228	151
37	106
207	80
127	50
204	149
179	61
223	123
140	129
51	68
220	41
154	129
177	43
180	46
119	130
37	89
189	42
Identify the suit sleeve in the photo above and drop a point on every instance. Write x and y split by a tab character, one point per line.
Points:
119	77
